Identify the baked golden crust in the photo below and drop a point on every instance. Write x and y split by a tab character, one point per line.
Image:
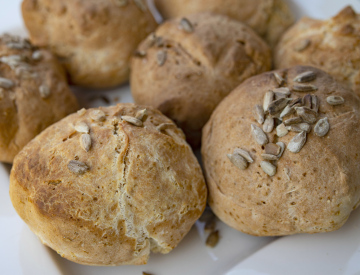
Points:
36	96
332	45
313	190
199	70
269	18
142	190
94	39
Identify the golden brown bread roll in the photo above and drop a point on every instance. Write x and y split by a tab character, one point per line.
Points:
105	186
331	45
33	94
311	191
93	39
269	18
190	64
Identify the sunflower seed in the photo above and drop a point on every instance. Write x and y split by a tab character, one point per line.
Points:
164	126
244	154
12	60
161	57
85	142
210	225
272	149
132	120
279	79
306	101
315	103
283	91
97	115
287	173
269	157
302	45
186	25
139	53
268	125
281	130
37	55
308	115
159	42
213	239
259	114
268	98
298	128
297	142
335	100
295	102
258	134
81	112
304	88
293	120
82	127
322	127
239	161
77	167
305	77
268	168
282	148
44	91
278	105
141	5
6	83
142	115
287	111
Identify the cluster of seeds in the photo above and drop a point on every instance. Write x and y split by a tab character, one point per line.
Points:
281	112
209	219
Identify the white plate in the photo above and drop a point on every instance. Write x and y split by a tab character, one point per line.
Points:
237	253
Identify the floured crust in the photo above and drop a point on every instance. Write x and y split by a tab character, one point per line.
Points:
24	110
333	45
143	191
269	18
200	69
312	191
93	39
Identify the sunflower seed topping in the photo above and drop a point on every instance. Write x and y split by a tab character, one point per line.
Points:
305	77
315	103
239	161
298	128
164	126
97	115
81	112
85	142
186	25
142	115
44	91
295	102
308	115
281	130
269	157
268	168
272	149
141	5
37	55
268	125
302	45
306	101
213	239
297	143
258	134
132	120
279	79
335	100
283	91
259	114
322	127
139	53
244	154
6	83
277	106
304	88
82	127
282	148
77	167
293	120
161	58
287	111
268	98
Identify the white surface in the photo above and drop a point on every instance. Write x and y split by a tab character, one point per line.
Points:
329	253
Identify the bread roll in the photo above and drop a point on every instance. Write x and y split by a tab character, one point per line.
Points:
105	186
33	94
269	18
190	64
93	39
331	45
311	191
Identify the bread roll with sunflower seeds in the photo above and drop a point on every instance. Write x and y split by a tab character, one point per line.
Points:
33	94
190	64
331	45
106	186
269	18
301	179
93	39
